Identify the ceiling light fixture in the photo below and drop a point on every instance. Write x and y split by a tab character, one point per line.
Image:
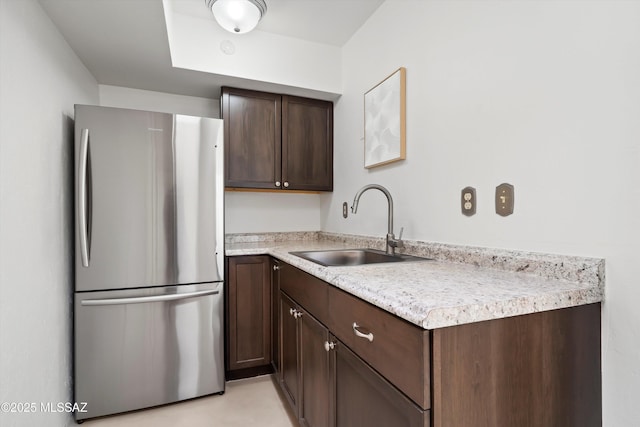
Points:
237	16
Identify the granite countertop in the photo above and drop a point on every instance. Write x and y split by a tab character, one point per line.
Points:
462	285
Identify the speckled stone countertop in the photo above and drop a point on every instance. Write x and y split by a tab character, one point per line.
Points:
460	285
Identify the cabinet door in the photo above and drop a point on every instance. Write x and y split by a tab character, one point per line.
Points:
252	135
307	144
275	321
365	399
249	313
289	360
316	407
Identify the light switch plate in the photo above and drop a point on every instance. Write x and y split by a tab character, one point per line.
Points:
345	210
504	199
468	201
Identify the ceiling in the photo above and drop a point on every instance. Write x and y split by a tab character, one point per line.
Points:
125	43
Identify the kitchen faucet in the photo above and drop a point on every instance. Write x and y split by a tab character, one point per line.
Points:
392	242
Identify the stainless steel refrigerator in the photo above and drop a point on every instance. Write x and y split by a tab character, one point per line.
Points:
149	251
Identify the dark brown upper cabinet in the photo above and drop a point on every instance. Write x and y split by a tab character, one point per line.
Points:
277	142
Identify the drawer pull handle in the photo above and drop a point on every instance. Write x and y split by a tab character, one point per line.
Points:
368	336
328	346
292	311
297	314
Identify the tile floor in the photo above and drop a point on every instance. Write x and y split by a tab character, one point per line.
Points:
252	402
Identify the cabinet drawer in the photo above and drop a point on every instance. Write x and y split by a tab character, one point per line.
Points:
308	291
398	350
364	398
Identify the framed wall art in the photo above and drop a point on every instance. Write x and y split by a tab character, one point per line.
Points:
385	121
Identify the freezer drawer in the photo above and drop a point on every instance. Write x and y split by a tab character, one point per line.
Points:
145	347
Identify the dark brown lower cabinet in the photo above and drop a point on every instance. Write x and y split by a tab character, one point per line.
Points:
305	375
248	327
536	370
327	385
365	399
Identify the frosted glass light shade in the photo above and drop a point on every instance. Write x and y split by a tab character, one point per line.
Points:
237	16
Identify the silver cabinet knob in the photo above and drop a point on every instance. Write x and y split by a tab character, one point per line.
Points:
277	183
295	313
276	267
328	346
286	184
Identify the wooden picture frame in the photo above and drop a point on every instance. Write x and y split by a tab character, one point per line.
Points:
385	121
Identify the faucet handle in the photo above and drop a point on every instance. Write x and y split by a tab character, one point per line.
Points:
396	242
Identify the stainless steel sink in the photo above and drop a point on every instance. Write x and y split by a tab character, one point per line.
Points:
345	257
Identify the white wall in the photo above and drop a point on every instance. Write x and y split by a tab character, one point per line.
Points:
138	99
249	212
40	80
543	95
245	212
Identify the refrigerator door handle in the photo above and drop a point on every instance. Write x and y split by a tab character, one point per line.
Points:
82	197
140	300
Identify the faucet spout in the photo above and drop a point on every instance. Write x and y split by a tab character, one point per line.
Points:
392	242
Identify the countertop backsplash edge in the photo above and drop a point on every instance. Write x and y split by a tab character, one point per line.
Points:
585	270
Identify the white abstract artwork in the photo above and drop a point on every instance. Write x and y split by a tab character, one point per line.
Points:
384	121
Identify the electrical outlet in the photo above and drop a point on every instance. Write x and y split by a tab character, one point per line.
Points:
504	199
468	201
